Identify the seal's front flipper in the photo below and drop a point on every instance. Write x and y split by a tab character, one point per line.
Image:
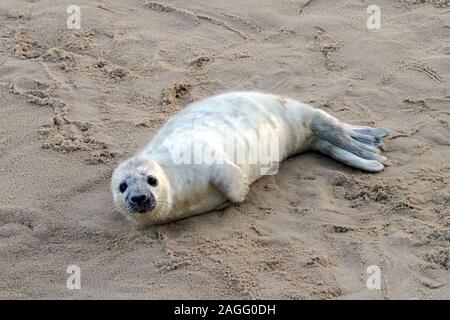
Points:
347	157
230	180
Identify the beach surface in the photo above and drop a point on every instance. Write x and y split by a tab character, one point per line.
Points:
76	102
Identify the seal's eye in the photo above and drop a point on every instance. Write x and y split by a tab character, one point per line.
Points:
123	186
152	181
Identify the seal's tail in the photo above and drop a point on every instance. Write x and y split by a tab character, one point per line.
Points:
356	146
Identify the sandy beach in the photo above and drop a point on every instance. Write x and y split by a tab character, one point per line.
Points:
76	102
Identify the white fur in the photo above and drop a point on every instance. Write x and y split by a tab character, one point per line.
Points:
186	190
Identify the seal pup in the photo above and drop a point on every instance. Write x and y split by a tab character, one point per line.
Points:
206	156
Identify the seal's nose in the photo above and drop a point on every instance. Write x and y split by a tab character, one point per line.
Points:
139	200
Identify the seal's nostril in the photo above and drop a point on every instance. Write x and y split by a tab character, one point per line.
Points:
139	199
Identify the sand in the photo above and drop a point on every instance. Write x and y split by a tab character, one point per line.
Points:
74	103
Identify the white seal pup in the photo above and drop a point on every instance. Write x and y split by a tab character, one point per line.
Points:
207	155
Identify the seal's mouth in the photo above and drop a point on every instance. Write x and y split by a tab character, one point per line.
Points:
140	204
141	208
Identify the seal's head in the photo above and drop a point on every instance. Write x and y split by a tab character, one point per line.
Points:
140	189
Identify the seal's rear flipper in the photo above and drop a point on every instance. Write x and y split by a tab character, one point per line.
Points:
346	157
371	136
355	146
376	132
